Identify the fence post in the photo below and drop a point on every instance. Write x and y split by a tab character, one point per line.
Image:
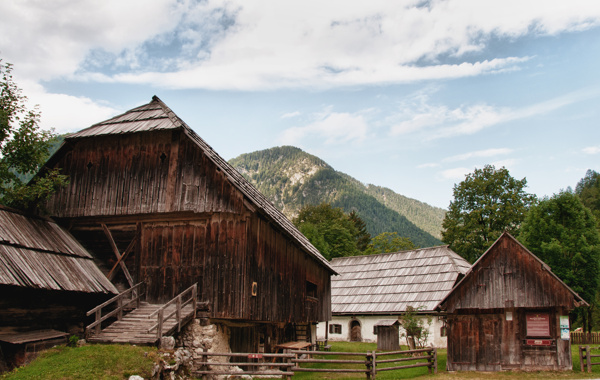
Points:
435	361
581	358
369	364
430	361
374	364
98	318
289	368
204	360
120	306
588	358
160	323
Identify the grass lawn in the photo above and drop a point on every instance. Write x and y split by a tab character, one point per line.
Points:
121	361
88	362
422	372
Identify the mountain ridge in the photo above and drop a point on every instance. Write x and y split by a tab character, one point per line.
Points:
291	178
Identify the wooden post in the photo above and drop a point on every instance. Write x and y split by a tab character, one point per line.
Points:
588	358
435	361
581	358
178	313
120	307
204	360
429	361
195	298
368	364
160	323
98	327
289	369
374	364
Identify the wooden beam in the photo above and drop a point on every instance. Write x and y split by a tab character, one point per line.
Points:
112	272
113	245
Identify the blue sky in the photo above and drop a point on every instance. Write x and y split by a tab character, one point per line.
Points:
411	95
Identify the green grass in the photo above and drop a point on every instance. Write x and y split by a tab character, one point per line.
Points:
88	362
121	361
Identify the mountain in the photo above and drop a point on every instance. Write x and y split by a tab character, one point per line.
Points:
292	178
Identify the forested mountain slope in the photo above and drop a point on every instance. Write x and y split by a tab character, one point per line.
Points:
291	178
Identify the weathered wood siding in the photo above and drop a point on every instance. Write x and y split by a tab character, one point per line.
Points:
487	328
490	342
141	173
509	277
225	254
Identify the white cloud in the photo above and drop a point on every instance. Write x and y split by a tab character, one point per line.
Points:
428	165
235	44
331	127
455	174
592	149
65	113
290	115
416	114
478	154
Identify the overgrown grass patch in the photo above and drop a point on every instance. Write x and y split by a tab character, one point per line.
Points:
88	362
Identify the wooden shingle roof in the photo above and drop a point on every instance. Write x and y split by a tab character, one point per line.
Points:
157	116
37	253
390	282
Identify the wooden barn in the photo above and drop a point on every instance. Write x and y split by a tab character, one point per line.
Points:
145	185
509	312
374	288
47	283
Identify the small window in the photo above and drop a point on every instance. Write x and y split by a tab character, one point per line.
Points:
335	329
444	331
374	330
311	290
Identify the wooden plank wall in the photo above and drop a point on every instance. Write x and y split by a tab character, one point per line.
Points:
226	254
141	173
509	277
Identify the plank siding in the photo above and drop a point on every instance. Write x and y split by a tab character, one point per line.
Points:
487	311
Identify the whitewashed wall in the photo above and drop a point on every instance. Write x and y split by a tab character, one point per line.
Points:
367	322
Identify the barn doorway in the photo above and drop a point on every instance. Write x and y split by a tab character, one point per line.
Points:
355	331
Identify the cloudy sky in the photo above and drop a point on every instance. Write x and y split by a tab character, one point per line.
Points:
411	95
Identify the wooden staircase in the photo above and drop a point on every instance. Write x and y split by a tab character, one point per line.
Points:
140	322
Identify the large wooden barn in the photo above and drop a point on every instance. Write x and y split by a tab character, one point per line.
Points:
509	312
146	183
372	289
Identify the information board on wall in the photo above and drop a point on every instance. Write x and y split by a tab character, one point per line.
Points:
564	327
538	324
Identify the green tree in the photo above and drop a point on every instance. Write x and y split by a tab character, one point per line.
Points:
363	237
329	229
488	202
23	148
389	242
588	190
563	233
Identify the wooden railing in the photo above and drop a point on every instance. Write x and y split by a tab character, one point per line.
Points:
257	364
585	355
180	302
124	300
288	363
371	362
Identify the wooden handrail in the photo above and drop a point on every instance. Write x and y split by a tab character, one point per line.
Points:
118	311
178	300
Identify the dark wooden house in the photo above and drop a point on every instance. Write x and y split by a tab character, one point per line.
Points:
47	283
509	312
145	184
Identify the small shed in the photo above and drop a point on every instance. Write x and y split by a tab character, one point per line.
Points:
388	338
509	312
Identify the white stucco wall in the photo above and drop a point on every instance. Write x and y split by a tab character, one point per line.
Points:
367	322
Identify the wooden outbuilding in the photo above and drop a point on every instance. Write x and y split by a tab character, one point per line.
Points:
509	312
152	199
388	333
47	283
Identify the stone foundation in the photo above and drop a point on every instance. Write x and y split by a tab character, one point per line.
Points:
198	337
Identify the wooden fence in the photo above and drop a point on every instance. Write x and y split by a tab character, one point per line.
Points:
585	338
183	299
585	355
290	361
